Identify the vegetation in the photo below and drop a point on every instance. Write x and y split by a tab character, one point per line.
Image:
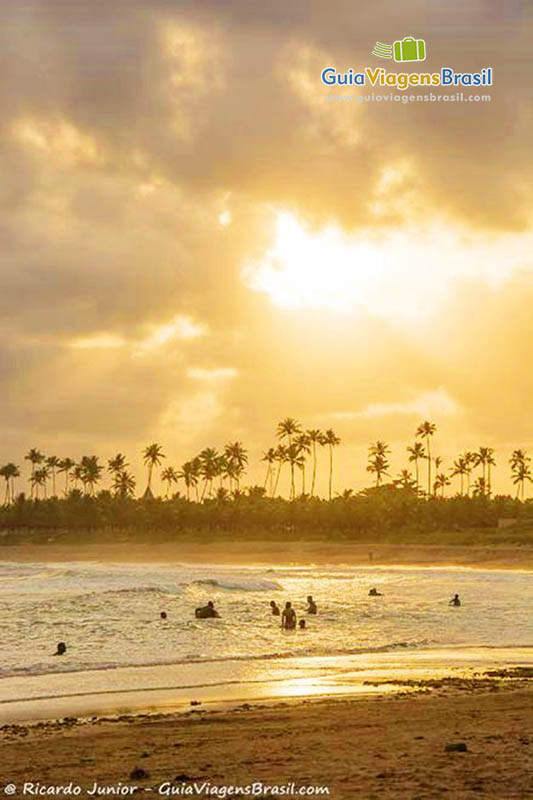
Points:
207	492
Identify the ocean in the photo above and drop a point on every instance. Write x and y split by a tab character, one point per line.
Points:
109	617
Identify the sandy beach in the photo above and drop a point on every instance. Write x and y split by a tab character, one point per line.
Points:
381	747
274	554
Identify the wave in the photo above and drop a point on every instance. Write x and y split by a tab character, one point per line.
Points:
57	668
252	585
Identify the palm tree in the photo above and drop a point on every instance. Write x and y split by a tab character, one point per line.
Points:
52	462
281	458
169	476
425	430
288	429
39	478
441	481
331	440
482	456
152	456
470	460
270	457
65	465
35	457
377	460
416	452
460	467
490	463
303	443
315	437
189	475
91	472
117	464
295	458
9	471
237	458
77	474
209	468
521	472
405	480
124	483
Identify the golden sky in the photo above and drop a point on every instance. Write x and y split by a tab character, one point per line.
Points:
196	243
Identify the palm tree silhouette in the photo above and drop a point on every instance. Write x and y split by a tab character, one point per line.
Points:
520	470
270	457
460	467
416	452
124	483
169	476
152	457
288	429
296	459
237	458
303	443
425	430
281	458
378	460
331	440
9	471
315	436
117	464
38	478
52	462
209	460
189	475
65	465
441	481
91	472
35	457
405	480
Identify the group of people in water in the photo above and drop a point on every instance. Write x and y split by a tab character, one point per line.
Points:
289	621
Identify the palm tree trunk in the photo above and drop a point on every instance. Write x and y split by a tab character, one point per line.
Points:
330	469
429	466
277	479
314	470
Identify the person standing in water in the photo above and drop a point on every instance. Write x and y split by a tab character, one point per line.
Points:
288	618
311	606
455	601
275	608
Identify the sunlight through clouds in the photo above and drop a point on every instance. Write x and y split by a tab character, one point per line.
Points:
398	274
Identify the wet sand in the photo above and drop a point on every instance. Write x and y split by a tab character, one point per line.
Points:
273	554
372	748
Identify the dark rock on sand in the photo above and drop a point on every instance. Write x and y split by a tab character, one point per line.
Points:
456	747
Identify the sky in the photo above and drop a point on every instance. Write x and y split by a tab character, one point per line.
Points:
198	241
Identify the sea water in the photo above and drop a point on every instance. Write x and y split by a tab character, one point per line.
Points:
109	614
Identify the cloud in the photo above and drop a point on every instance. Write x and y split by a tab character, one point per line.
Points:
147	151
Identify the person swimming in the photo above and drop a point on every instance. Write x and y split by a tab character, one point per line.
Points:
374	592
206	612
275	608
301	624
455	601
288	618
61	649
311	606
163	615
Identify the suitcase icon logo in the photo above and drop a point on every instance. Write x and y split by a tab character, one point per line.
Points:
410	49
407	49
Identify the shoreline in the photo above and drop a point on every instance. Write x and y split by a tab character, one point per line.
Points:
274	554
382	746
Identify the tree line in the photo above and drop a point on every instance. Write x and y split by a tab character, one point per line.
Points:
214	474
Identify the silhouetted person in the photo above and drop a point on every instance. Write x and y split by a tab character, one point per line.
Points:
301	624
374	593
61	649
455	601
206	612
163	615
311	606
288	618
275	608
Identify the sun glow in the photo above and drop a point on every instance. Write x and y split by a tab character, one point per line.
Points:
399	273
